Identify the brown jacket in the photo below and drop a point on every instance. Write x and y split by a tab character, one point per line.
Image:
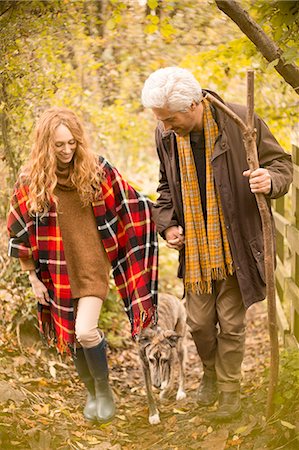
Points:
240	209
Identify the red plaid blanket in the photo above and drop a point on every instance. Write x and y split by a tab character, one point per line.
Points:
129	237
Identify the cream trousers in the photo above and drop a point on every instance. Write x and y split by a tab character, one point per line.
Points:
87	318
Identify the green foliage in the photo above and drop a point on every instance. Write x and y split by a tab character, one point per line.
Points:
17	302
287	396
283	425
274	100
51	57
281	21
24	45
158	21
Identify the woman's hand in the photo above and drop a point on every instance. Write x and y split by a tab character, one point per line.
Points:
39	289
175	237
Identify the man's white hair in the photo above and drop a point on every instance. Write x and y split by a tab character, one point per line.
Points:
171	87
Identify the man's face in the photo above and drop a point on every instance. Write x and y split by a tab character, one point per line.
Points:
182	123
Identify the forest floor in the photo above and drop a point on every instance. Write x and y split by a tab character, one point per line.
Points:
41	402
41	397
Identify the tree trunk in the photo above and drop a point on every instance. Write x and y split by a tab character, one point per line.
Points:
249	138
268	48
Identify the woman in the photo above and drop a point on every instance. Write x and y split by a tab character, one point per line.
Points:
72	218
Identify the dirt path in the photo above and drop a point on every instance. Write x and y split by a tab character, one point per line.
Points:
42	399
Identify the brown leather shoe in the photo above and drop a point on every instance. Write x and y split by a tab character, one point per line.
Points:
229	406
207	392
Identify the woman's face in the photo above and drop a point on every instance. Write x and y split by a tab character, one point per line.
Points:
65	144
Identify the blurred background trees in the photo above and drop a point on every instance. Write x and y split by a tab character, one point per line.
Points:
93	56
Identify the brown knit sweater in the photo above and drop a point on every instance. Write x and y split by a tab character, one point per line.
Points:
87	262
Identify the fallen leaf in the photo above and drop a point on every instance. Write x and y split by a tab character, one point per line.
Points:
41	409
215	441
52	371
196	420
7	392
179	411
103	446
121	417
241	430
172	421
288	425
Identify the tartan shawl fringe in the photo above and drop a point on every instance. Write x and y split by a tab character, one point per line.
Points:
207	250
124	221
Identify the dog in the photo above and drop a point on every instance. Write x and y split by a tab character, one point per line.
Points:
157	351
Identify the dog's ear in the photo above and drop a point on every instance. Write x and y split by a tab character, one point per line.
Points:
171	336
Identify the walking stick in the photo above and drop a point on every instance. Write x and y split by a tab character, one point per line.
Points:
249	139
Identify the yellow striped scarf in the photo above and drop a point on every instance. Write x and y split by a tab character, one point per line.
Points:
207	251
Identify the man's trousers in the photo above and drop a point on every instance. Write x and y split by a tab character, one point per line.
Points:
217	325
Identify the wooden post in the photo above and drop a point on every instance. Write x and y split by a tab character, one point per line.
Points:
249	139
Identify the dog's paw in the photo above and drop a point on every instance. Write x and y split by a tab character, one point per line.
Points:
180	395
155	419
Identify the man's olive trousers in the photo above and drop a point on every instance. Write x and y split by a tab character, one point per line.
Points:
217	325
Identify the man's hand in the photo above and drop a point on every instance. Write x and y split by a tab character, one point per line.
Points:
39	289
175	237
259	180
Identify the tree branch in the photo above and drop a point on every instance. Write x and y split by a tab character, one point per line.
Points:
268	48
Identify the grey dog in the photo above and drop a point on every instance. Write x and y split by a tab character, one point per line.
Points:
156	350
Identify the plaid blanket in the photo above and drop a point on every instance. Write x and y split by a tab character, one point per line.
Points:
124	221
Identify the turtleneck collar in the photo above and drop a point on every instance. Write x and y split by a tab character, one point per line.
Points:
64	172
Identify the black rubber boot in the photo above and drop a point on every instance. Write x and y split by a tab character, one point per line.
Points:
97	362
90	409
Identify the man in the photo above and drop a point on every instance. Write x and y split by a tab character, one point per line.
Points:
207	210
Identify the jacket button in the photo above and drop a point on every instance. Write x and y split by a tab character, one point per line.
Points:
227	227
